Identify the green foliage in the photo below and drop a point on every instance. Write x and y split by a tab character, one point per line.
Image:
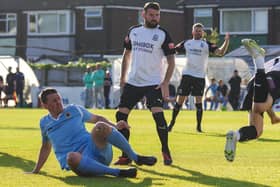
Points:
213	37
198	158
82	63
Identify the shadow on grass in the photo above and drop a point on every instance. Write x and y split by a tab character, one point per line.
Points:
198	177
20	128
214	134
268	140
101	181
8	160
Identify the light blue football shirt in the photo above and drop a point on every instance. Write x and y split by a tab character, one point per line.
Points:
67	133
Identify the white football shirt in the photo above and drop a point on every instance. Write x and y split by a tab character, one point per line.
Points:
197	52
272	65
148	47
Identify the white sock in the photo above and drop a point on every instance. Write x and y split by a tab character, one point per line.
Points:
259	61
237	135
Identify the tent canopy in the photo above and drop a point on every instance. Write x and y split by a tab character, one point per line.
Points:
272	51
14	62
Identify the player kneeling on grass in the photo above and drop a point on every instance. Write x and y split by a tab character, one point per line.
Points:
261	96
86	154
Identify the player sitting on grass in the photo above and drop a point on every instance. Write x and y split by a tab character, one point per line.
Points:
266	90
86	154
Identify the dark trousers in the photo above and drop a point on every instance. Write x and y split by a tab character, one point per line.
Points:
107	96
234	101
20	98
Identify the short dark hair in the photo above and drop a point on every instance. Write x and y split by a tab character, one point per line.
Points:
152	5
45	92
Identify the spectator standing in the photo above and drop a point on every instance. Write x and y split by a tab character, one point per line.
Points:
98	78
107	88
222	94
243	92
20	82
10	88
1	89
234	92
88	82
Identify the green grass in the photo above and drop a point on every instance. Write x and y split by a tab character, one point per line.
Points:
198	158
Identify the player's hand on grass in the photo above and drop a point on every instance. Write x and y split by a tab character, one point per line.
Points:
122	125
31	172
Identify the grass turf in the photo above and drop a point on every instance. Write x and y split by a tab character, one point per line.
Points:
198	158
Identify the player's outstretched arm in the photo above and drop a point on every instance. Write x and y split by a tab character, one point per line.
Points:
223	49
43	156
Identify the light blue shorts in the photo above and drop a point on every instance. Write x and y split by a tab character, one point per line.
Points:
103	156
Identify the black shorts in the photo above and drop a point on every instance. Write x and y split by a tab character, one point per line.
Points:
191	85
273	81
132	95
248	100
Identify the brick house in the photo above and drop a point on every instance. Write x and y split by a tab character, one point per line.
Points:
70	28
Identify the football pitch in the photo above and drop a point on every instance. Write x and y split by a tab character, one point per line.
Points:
198	158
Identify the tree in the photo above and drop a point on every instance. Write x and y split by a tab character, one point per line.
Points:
212	37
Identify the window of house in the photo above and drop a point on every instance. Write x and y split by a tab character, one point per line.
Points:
204	16
59	22
8	24
93	19
247	21
140	17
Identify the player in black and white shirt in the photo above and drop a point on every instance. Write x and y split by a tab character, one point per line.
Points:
271	67
193	75
145	47
265	91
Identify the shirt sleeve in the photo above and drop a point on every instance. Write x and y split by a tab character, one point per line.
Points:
180	47
86	115
127	42
212	47
43	132
168	45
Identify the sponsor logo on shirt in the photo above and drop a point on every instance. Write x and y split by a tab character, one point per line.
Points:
201	45
155	37
143	46
68	115
195	51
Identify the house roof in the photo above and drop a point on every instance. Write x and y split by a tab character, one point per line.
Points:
230	3
17	5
